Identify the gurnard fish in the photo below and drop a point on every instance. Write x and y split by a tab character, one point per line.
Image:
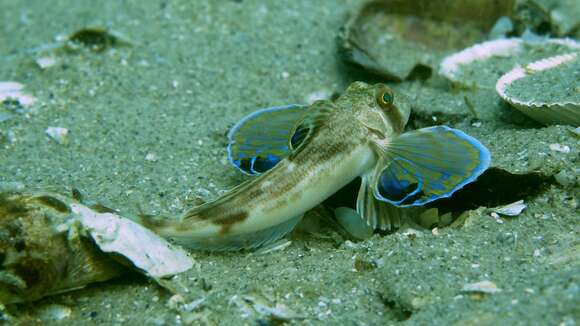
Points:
301	155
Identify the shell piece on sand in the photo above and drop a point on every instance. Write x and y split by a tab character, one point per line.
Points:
513	209
10	90
50	244
40	258
481	287
146	250
482	64
547	90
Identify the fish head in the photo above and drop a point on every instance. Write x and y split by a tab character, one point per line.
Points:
377	107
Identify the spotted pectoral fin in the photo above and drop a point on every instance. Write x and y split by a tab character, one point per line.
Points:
428	164
260	140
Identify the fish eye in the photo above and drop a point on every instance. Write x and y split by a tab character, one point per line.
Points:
386	98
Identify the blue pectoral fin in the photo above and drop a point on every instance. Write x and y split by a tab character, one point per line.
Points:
260	140
429	164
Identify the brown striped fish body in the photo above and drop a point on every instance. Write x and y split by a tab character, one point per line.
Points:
338	145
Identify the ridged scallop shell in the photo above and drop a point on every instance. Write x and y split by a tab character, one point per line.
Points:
539	78
482	64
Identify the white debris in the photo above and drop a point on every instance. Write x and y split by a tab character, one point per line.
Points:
54	312
513	209
58	134
560	148
151	157
265	309
279	245
257	306
14	91
481	287
45	62
146	250
317	96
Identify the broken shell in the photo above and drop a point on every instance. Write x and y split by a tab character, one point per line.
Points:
38	259
546	90
15	91
406	39
481	287
51	244
58	134
256	305
513	209
147	251
481	65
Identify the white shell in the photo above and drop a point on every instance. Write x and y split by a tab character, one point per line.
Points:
513	209
15	91
451	65
565	112
146	250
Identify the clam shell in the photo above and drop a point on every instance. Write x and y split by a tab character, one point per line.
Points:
406	39
554	83
482	64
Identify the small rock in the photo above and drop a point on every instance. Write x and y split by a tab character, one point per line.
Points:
363	265
429	218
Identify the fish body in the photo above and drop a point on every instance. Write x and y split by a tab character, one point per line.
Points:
307	155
